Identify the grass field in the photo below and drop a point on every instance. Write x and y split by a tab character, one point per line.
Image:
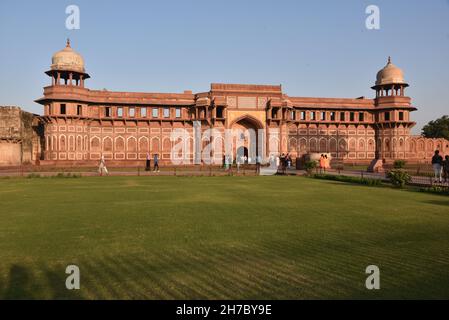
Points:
219	237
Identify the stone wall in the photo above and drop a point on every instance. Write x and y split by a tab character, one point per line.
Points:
20	136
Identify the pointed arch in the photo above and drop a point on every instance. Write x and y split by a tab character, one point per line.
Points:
95	144
119	144
107	144
131	144
144	144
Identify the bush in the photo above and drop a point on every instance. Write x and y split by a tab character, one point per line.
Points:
33	176
399	177
309	166
399	164
436	189
68	175
349	179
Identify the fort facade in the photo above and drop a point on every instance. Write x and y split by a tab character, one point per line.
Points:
79	125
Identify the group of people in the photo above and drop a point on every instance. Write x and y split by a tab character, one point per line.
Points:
155	160
324	162
284	162
241	160
440	167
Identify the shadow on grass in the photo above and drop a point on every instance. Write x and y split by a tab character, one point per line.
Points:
175	274
438	202
267	270
21	285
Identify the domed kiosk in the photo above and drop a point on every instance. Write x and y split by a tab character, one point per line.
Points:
67	67
390	81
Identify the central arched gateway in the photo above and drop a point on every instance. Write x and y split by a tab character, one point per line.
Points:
248	138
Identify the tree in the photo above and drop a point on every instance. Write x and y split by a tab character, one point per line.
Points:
438	128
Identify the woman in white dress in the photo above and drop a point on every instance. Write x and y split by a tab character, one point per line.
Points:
102	167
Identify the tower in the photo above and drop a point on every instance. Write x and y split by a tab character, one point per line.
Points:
392	113
65	105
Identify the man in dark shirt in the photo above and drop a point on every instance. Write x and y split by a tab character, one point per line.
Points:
156	163
437	164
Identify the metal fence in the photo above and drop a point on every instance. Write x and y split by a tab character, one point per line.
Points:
420	178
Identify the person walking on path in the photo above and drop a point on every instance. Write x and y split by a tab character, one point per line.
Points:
446	169
148	162
437	164
156	163
102	166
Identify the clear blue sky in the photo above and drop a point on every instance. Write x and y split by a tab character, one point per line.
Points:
312	48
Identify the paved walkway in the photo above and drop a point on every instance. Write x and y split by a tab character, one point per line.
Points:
87	172
207	171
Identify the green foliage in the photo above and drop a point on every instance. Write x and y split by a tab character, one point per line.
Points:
349	179
399	177
68	175
399	164
438	128
436	189
59	175
310	165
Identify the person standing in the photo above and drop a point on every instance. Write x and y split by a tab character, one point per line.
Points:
258	161
283	163
156	163
322	164
446	169
326	162
148	162
102	166
437	164
226	159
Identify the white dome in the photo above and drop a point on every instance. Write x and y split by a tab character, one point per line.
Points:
67	60
390	74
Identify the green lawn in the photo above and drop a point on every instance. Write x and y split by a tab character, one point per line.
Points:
219	238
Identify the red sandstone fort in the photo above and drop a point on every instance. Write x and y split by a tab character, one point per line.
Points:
80	125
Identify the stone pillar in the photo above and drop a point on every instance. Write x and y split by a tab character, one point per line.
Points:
197	141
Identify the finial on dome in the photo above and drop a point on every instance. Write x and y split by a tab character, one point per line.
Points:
68	43
389	59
